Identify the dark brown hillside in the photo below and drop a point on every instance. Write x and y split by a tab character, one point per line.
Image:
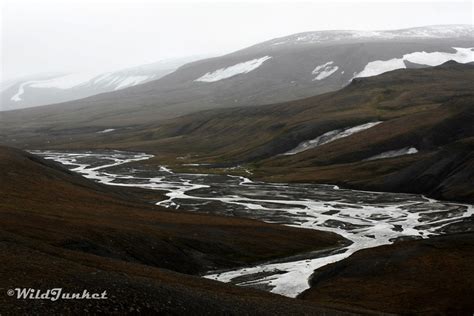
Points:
446	174
425	277
41	200
131	288
61	230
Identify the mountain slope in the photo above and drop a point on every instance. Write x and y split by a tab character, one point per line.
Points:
59	229
380	133
46	89
279	70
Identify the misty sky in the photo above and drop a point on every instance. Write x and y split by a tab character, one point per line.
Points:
85	35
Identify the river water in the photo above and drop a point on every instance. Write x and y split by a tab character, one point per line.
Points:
367	219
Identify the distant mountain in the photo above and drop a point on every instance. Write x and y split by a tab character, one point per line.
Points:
283	69
46	89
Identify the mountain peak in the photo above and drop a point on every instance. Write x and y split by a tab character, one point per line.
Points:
431	32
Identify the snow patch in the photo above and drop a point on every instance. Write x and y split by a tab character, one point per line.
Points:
395	153
108	130
324	71
462	55
377	67
131	81
330	137
240	68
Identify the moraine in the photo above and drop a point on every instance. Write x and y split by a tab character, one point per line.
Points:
366	219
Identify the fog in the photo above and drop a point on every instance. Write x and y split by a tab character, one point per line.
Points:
82	35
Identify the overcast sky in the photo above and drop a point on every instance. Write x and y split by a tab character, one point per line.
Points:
83	35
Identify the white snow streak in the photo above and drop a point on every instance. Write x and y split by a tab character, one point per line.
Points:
395	153
240	68
108	130
131	81
329	137
21	90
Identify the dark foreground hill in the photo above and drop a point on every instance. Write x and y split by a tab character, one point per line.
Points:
423	277
59	230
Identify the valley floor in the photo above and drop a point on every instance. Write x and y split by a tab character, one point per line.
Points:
367	219
60	230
